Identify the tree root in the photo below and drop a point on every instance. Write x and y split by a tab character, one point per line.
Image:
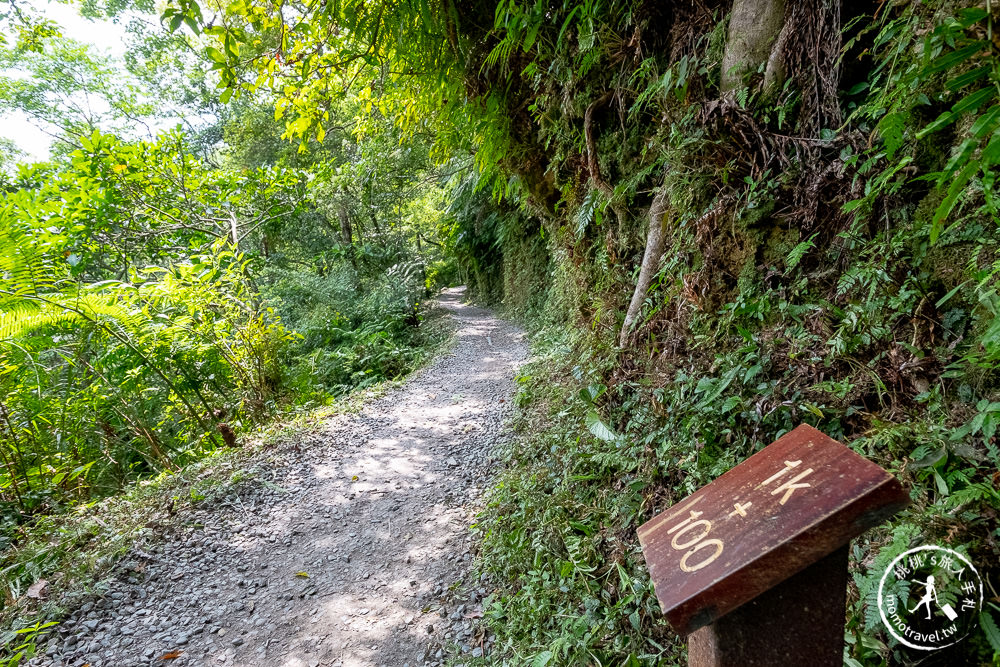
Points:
593	166
650	262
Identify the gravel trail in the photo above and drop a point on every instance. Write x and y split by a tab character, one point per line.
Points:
349	546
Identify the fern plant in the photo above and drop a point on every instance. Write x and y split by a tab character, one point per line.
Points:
953	65
131	372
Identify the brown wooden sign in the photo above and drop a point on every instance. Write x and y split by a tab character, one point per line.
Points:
781	510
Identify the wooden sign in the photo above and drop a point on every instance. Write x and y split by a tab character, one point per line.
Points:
783	509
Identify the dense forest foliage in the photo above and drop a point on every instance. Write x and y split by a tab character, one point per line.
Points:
716	233
164	294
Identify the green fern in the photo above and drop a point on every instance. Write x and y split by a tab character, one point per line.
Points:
977	492
990	629
903	537
952	49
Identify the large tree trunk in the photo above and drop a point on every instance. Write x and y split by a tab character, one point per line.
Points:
347	238
346	233
754	27
650	262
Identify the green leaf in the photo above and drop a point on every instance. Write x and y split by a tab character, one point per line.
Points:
928	460
215	54
586	34
231	46
565	25
853	204
849	661
730	403
592	392
193	9
529	38
973	101
890	127
990	629
949	60
990	426
717	387
425	14
986	123
81	470
991	154
970	15
943	300
798	252
942	486
961	156
963	80
542	659
599	429
944	119
948	203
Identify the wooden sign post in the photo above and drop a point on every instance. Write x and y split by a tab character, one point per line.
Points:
753	567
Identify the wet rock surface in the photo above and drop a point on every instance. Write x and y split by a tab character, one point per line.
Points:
349	546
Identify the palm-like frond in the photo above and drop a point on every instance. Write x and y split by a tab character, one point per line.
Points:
20	317
29	258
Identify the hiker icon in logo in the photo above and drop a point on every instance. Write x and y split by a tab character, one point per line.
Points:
926	600
950	594
930	592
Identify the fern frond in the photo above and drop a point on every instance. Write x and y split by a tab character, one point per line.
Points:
22	317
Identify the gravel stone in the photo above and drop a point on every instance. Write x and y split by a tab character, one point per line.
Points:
345	545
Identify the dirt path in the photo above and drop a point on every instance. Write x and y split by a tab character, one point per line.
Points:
339	551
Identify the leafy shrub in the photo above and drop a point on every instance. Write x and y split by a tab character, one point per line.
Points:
126	378
352	334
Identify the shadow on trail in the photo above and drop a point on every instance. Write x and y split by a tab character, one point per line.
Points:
343	549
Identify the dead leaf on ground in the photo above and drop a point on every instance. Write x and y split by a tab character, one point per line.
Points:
304	575
171	655
37	589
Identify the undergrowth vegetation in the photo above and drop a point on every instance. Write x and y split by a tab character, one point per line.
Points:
833	265
142	328
164	298
722	219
